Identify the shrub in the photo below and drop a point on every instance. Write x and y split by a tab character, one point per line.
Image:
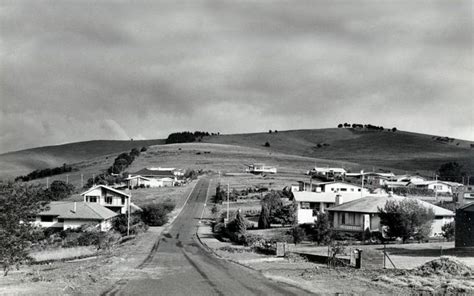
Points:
137	225
144	149
448	230
298	234
157	214
267	144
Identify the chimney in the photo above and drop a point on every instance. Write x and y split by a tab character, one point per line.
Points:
75	207
338	199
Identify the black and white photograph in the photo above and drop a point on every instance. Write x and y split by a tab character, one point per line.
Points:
236	147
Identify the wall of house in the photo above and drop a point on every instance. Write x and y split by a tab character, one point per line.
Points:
441	188
438	224
54	223
305	216
101	195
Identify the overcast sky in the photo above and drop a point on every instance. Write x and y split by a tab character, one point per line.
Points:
81	70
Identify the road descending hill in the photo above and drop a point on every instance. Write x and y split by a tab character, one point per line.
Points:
354	148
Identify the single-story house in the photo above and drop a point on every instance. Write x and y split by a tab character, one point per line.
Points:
137	181
436	186
158	173
71	215
261	168
360	214
464	227
113	199
327	172
465	195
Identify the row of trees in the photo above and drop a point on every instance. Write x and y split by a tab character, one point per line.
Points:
188	137
48	172
121	162
366	126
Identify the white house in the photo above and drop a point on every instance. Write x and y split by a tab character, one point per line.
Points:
436	186
260	168
71	215
360	214
162	175
323	196
113	199
138	181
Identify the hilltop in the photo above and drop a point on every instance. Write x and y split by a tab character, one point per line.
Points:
353	148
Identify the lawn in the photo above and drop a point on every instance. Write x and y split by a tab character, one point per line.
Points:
64	253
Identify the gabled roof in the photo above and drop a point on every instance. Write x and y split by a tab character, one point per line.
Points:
84	211
106	188
138	177
327	170
153	173
371	205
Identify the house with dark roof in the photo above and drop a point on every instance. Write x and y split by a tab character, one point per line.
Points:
363	213
71	215
111	198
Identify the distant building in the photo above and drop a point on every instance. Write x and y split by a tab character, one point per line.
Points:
140	181
71	215
363	213
433	185
464	227
327	173
465	195
111	198
260	168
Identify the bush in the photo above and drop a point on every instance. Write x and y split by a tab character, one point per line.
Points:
144	149
298	234
137	225
267	144
448	230
157	214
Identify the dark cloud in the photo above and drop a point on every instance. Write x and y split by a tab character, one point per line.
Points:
79	70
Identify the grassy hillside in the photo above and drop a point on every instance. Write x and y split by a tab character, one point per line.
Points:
296	150
397	150
22	162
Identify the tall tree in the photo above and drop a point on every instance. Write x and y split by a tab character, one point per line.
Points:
19	204
264	218
322	229
451	171
406	218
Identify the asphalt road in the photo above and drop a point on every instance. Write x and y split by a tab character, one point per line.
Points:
179	265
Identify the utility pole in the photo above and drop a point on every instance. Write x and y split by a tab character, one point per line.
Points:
82	180
67	179
436	188
228	200
362	189
47	182
93	179
128	217
310	183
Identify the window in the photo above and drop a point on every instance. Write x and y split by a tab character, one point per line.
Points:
108	199
61	220
343	189
352	189
123	200
358	189
305	205
91	198
343	218
46	218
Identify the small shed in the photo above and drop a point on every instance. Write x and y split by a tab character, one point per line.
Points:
464	222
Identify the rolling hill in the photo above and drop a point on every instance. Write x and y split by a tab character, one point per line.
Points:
355	149
22	162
